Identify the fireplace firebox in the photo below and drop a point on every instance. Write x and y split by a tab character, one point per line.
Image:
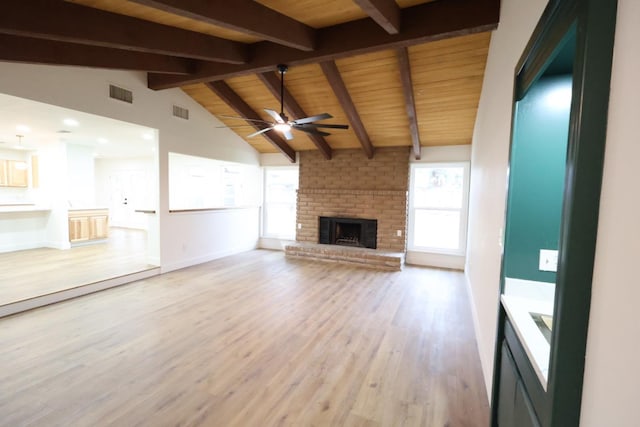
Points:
348	231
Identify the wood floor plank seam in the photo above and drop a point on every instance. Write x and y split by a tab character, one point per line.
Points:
253	339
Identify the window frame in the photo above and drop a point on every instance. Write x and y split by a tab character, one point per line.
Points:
263	214
464	209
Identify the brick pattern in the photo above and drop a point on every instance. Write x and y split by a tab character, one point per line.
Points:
347	255
352	186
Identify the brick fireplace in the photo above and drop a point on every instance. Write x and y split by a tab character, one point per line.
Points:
354	187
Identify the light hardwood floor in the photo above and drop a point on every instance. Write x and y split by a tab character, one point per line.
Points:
31	273
250	340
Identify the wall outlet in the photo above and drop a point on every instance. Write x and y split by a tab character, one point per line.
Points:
399	233
548	260
299	226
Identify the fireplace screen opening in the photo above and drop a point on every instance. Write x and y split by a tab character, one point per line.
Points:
348	232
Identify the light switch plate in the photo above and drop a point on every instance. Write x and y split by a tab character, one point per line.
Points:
548	260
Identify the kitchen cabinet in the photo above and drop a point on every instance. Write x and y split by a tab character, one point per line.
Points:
88	224
515	408
35	171
13	173
4	177
98	227
78	228
18	173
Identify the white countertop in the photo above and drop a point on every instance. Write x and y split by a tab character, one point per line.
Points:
88	208
23	208
519	307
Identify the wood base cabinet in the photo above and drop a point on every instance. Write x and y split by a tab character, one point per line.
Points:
88	224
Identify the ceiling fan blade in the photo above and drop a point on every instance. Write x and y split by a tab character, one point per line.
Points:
288	135
275	115
243	118
259	132
310	119
328	126
312	131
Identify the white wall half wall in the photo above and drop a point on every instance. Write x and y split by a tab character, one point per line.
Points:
489	162
87	90
228	231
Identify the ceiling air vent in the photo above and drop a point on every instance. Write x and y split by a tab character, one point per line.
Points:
180	112
121	94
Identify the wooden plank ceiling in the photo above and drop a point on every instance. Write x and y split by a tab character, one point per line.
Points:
399	73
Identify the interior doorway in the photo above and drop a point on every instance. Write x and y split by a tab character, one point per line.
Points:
99	175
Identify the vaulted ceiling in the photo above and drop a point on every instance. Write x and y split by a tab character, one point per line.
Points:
399	73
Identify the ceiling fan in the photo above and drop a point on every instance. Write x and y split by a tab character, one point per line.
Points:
282	123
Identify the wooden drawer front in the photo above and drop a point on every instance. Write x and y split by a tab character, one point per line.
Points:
88	224
78	229
99	227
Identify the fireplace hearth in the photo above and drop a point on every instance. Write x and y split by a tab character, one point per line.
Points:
355	232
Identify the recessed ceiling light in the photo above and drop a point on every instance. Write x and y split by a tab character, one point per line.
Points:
70	122
147	136
23	128
103	140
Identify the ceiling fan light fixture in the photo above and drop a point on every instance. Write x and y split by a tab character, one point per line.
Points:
282	127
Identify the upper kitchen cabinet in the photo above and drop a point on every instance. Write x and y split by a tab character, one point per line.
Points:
14	173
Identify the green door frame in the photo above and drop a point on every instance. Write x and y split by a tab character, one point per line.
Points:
594	22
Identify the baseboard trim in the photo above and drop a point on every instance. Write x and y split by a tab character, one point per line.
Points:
476	330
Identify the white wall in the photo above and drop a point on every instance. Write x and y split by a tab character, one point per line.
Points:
276	159
448	153
87	90
612	373
489	160
81	174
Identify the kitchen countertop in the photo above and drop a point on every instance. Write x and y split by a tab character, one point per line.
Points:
519	309
10	208
89	208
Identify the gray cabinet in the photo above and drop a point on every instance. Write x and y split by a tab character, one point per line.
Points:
515	408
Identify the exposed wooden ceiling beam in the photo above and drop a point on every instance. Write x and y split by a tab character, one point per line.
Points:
332	74
386	13
272	82
426	22
36	51
407	90
245	16
243	109
61	21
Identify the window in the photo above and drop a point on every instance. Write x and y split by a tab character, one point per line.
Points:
202	183
438	201
280	187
